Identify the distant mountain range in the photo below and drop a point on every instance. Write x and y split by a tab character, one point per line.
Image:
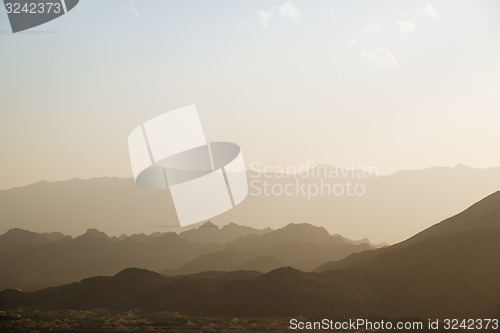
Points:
447	271
393	208
31	261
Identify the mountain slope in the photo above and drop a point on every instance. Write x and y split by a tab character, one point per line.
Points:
483	215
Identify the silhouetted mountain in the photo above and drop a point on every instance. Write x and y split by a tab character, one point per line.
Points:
95	253
303	232
14	298
453	275
141	237
143	289
94	233
118	206
222	275
55	236
448	271
300	255
210	233
126	289
129	288
261	264
284	292
15	238
224	260
302	246
241	275
482	216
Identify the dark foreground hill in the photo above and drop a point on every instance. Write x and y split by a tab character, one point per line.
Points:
484	216
282	292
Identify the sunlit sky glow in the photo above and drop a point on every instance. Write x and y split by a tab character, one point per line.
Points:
396	84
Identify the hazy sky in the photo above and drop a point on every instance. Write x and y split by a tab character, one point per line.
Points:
397	84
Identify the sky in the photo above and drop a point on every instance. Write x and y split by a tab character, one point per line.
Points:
393	84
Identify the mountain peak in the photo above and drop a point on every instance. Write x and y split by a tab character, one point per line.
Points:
208	225
136	272
305	227
95	234
282	273
18	231
285	269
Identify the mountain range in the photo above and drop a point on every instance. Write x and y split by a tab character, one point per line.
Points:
31	261
449	270
392	208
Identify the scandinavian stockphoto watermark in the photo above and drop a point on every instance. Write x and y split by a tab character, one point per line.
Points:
363	324
310	180
206	179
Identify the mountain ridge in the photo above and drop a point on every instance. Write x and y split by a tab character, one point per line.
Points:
422	197
95	253
486	211
449	274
